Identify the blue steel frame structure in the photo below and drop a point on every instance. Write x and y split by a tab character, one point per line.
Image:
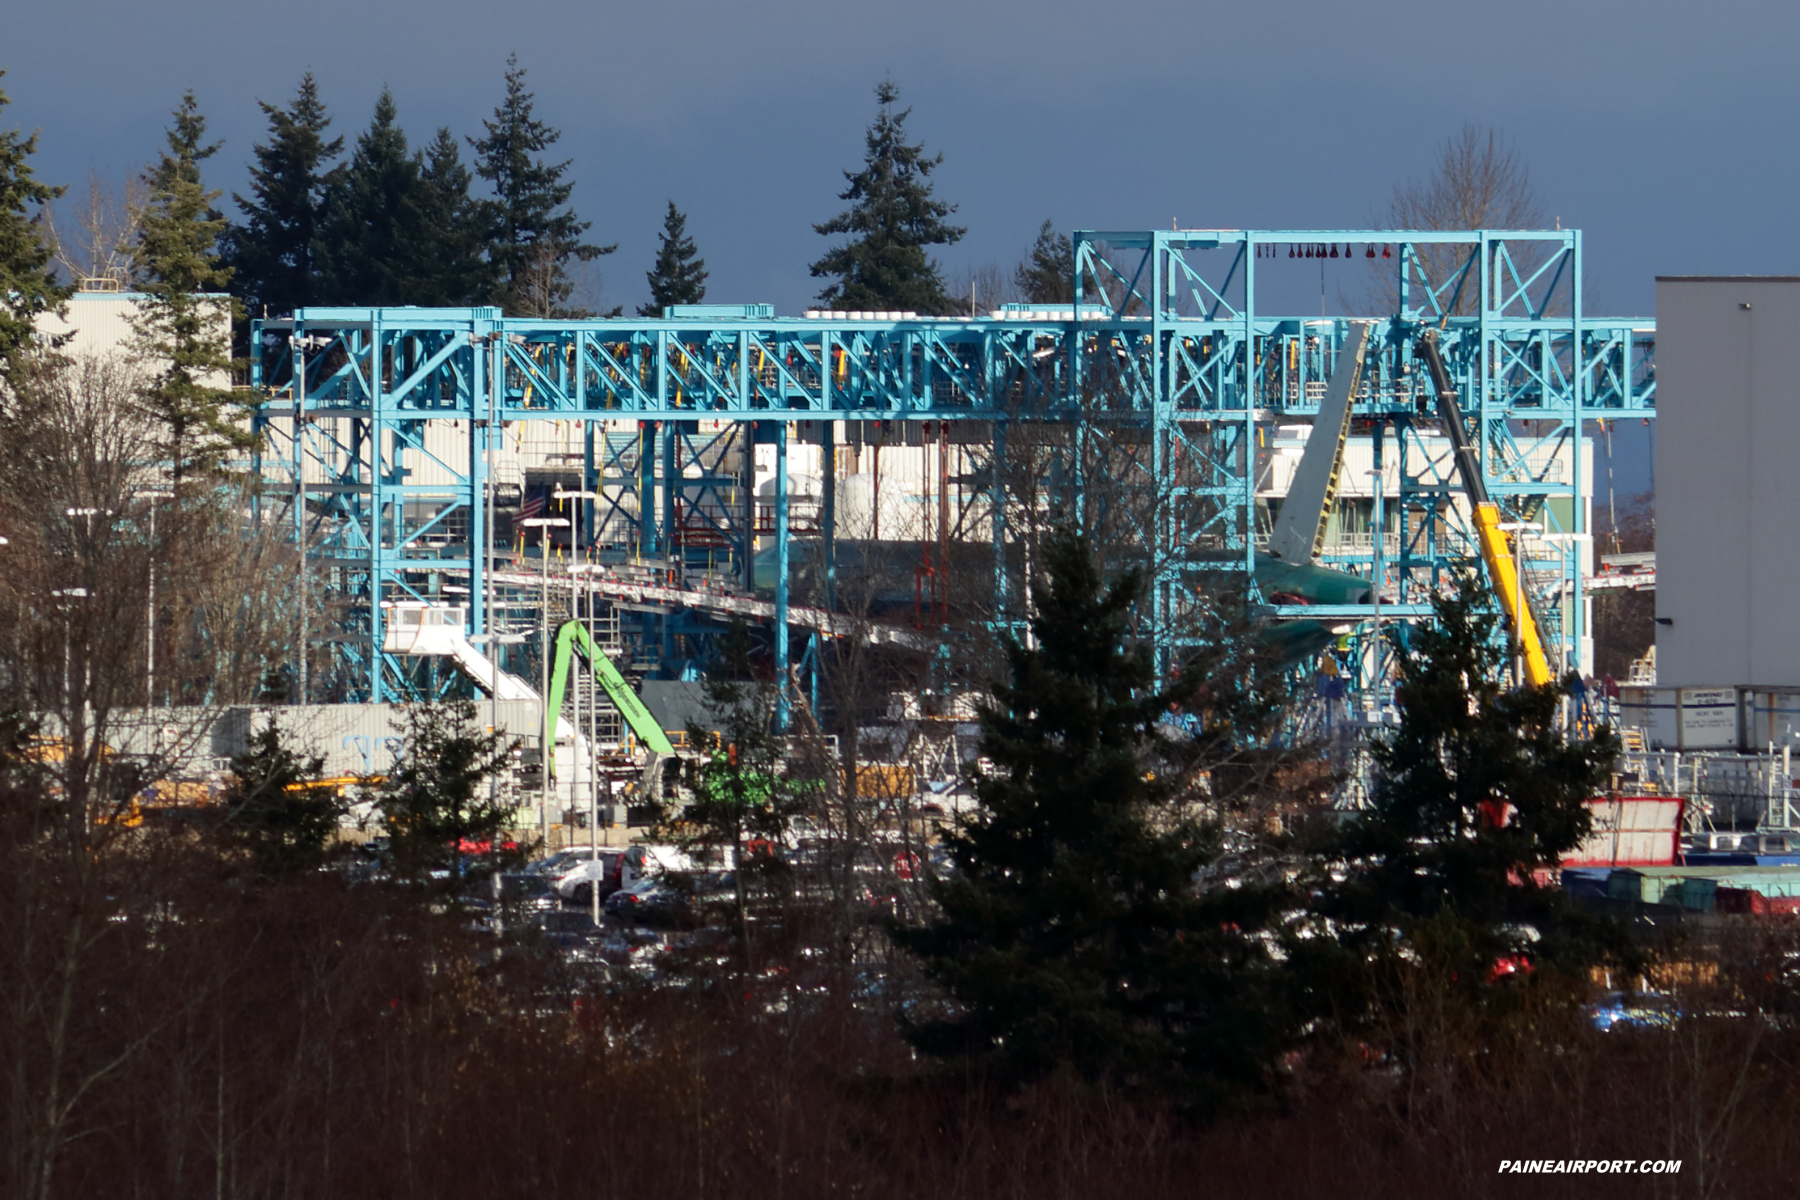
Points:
1165	350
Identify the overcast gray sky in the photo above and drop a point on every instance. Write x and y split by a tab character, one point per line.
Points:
1660	128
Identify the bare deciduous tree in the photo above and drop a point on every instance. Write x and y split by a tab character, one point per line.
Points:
1624	622
1477	180
94	253
548	289
95	539
987	286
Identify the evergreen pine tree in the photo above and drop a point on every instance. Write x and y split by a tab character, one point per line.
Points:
1477	794
435	803
368	253
274	810
534	237
892	219
1047	276
274	253
183	324
679	276
27	275
1071	930
449	269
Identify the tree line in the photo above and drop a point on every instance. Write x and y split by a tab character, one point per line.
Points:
381	223
378	222
463	221
392	225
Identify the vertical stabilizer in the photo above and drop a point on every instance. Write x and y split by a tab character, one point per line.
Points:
1299	535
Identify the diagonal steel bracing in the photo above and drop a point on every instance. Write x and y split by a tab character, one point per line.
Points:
379	447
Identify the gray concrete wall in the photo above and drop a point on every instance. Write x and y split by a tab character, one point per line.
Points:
1727	481
355	739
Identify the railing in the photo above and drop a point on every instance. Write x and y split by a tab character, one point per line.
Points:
1363	542
1722	788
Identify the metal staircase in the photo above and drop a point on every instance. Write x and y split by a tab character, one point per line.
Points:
585	695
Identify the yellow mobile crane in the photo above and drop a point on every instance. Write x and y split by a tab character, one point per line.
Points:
1502	569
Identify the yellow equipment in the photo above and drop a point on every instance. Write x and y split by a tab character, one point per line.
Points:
1502	569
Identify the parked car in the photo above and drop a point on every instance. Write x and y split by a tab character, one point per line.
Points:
1644	1010
478	916
530	893
648	901
674	900
573	934
713	893
632	949
566	921
552	865
605	872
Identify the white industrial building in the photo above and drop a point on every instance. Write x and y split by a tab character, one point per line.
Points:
1727	658
1727	592
100	325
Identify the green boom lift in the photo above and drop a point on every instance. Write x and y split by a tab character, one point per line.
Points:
572	637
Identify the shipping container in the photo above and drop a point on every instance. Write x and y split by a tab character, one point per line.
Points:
1742	901
1670	885
353	739
1692	893
1682	719
1709	719
1628	884
1771	717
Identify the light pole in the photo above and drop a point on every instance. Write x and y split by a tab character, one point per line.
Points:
153	496
90	514
1375	477
563	496
77	719
586	571
488	456
547	736
86	667
1518	529
490	628
495	344
304	682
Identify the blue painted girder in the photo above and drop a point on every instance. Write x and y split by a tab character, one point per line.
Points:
1166	339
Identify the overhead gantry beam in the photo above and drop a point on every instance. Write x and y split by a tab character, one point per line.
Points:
380	424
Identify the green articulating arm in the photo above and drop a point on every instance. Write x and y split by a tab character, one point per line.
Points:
573	635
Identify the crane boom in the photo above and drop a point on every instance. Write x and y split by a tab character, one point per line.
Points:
1502	569
573	636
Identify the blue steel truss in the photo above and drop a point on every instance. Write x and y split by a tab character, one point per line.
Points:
375	422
